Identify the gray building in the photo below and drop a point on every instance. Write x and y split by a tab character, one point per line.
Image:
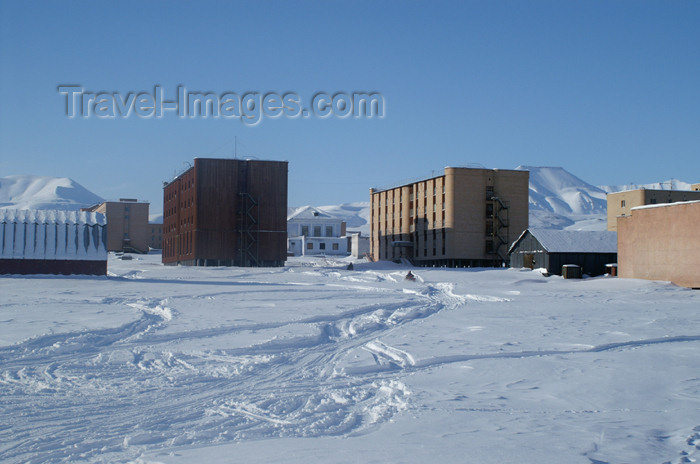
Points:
551	249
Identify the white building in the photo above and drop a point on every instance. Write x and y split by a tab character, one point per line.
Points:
359	246
311	231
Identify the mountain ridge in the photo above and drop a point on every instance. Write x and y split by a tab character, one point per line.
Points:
44	192
557	199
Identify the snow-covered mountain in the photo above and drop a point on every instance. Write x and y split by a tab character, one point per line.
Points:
42	192
560	200
671	184
556	190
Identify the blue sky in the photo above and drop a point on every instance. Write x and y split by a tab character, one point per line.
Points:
606	89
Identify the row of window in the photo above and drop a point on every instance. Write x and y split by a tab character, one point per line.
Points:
393	195
186	245
317	231
321	246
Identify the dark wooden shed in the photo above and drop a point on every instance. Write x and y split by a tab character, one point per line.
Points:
551	249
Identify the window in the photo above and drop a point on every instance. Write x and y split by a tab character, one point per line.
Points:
335	246
329	231
322	246
310	246
305	231
317	231
622	204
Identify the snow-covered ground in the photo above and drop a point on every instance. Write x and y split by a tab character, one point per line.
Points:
316	363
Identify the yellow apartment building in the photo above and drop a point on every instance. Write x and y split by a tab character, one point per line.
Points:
621	203
127	224
464	217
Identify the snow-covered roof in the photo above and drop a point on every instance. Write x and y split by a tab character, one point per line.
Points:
309	212
43	216
573	241
664	205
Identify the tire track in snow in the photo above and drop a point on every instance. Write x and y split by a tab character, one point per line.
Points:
112	391
442	360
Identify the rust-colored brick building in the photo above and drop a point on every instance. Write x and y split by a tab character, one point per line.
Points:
226	212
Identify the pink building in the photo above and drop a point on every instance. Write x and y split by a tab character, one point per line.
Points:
661	242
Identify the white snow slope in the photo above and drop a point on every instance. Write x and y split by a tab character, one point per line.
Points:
40	192
355	215
671	184
314	363
560	200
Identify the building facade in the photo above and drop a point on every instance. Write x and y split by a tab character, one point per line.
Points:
155	240
226	212
311	231
127	224
620	204
661	242
52	242
465	217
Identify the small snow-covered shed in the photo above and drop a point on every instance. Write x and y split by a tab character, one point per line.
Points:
551	249
52	242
